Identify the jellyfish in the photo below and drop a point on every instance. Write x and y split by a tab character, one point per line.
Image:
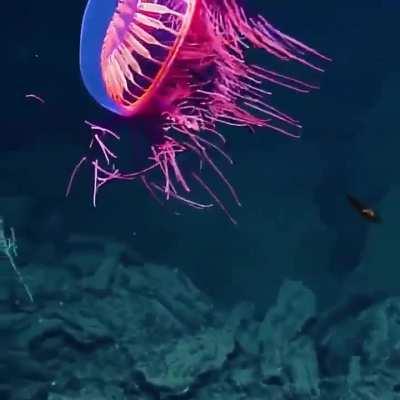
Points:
183	63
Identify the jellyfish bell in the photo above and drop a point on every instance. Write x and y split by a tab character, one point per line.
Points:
127	50
183	62
96	19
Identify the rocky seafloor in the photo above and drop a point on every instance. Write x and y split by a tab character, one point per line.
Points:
106	325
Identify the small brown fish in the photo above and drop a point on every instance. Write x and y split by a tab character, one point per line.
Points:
365	211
